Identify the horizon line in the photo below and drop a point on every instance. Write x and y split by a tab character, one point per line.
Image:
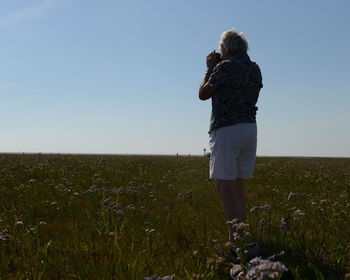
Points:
172	154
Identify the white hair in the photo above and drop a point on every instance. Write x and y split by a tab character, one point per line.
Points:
233	42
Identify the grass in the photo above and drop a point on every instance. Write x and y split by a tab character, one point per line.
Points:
129	217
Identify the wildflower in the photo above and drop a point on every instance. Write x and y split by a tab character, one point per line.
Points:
18	223
4	237
32	230
156	277
42	223
264	207
149	231
262	222
60	187
229	244
215	263
261	268
119	213
95	188
132	190
283	224
189	194
231	222
116	190
180	195
294	195
239	230
109	204
280	253
130	207
209	262
298	212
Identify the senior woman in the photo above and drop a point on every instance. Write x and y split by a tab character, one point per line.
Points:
233	83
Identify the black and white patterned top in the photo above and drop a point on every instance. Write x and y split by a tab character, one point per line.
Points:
238	81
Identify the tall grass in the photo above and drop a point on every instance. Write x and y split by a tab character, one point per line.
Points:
129	217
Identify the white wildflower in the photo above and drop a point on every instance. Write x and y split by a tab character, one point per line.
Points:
260	269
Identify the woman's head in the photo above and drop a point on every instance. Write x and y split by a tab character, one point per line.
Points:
232	43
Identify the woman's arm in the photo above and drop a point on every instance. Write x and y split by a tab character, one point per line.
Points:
206	91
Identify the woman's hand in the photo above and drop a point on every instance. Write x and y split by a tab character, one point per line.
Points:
213	58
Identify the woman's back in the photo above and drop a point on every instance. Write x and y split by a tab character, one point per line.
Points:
238	82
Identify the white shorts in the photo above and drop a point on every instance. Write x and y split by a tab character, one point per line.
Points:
233	151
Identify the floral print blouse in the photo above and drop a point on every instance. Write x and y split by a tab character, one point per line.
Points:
238	82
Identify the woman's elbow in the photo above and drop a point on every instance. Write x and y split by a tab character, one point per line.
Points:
202	96
206	92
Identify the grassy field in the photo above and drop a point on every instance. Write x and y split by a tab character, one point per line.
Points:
130	217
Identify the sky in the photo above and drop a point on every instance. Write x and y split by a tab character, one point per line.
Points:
122	77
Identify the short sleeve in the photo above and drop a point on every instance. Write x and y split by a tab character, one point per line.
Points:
219	75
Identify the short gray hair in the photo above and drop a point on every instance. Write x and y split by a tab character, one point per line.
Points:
233	42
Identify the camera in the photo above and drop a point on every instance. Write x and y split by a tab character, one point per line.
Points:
218	56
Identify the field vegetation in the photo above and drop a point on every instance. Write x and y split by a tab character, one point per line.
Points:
132	217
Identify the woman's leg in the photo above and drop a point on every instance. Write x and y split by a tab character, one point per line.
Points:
233	199
239	189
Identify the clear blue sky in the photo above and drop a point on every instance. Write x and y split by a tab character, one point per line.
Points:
114	76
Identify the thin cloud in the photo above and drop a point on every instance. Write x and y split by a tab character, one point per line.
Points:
24	99
93	117
31	95
6	85
27	14
88	118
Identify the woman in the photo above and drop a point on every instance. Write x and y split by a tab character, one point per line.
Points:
233	82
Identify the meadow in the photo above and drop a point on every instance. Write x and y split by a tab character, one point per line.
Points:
132	217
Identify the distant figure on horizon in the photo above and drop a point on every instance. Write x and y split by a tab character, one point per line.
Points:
233	83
